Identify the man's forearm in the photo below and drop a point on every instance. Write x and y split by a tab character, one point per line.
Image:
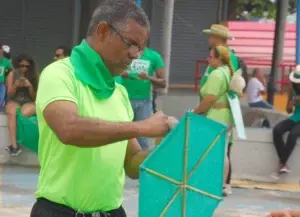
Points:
85	132
158	82
132	169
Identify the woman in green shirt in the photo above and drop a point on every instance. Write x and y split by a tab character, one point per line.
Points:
213	93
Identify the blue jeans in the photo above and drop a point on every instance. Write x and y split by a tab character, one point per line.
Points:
142	110
261	104
2	95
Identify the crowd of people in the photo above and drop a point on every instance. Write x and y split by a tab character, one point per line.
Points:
96	110
19	79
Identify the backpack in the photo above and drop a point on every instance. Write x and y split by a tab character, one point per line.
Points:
242	65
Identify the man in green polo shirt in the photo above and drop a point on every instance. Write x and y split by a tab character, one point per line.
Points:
143	73
87	138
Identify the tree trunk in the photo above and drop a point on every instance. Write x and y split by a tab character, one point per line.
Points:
232	5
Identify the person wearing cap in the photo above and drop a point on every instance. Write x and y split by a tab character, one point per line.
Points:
5	68
218	34
6	52
291	125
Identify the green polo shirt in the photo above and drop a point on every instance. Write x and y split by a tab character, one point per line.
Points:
85	179
149	62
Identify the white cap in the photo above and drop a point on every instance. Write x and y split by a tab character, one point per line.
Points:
6	48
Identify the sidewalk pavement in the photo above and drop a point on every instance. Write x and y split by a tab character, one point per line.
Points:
17	186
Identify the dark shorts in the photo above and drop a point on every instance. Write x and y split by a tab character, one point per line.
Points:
46	208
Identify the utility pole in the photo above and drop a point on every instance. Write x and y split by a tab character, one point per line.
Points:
281	13
167	38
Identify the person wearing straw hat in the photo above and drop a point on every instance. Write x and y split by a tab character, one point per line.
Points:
291	125
218	34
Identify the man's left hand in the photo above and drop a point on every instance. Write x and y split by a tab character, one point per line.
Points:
144	76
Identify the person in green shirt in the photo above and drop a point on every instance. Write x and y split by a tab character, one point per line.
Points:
87	138
144	73
5	69
218	34
214	102
291	125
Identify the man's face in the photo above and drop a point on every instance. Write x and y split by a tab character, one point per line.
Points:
121	45
214	40
59	54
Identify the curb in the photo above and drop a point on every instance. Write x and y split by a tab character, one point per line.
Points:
234	213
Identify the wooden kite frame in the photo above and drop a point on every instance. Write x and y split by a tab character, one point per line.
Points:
183	186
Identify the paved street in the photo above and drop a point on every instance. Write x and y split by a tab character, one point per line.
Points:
18	185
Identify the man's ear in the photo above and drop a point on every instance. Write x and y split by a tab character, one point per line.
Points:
102	31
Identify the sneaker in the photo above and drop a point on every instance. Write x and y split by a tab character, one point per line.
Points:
227	190
284	169
275	175
15	151
9	148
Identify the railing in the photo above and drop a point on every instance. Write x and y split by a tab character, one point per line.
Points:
284	80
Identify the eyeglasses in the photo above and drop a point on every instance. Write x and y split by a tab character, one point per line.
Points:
24	66
133	48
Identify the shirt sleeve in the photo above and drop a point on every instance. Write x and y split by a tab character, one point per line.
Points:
259	85
9	65
158	61
215	84
57	82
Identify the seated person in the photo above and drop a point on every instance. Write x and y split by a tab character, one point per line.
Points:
291	125
255	89
21	91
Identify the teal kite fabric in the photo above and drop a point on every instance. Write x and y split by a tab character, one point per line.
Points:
183	176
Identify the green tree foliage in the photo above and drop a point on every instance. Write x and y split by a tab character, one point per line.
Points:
257	8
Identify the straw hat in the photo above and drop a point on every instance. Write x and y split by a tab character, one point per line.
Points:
295	75
218	30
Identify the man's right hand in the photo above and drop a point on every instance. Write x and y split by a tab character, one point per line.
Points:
157	125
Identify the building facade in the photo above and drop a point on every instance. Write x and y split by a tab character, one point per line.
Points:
38	27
